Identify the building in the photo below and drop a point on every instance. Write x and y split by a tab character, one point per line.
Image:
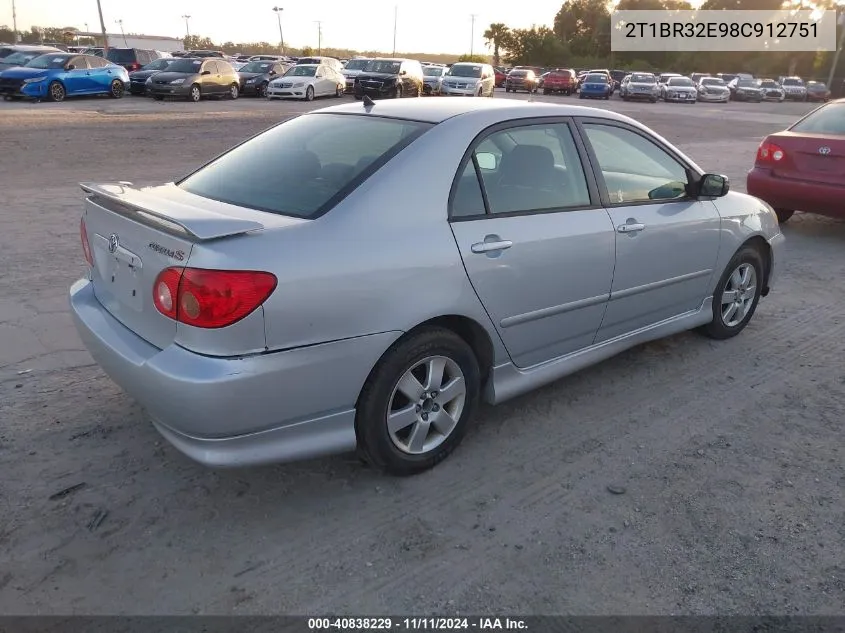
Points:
153	42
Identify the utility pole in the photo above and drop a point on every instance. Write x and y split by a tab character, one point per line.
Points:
187	17
839	46
472	34
15	22
278	11
395	20
319	37
125	43
103	29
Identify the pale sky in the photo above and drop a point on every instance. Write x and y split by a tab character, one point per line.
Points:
431	26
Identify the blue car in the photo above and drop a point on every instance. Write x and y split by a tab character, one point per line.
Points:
596	86
58	75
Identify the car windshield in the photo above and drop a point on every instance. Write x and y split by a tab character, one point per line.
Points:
464	70
21	58
159	64
768	83
793	82
49	61
595	78
304	166
121	55
356	64
680	81
257	67
5	52
301	71
382	66
642	79
712	81
433	71
829	119
519	73
748	83
185	66
815	85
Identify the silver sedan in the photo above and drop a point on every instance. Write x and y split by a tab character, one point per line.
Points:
363	276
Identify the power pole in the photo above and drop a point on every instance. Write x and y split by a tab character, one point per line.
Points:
103	29
187	27
841	22
319	37
395	21
125	43
278	11
472	35
15	22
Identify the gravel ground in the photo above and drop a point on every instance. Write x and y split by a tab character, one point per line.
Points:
729	455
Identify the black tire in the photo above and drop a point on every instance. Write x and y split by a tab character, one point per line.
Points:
117	89
234	91
262	90
507	89
784	215
397	94
338	93
375	445
196	94
717	328
309	93
158	97
56	92
545	92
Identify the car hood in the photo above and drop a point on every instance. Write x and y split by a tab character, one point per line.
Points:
376	76
144	74
21	72
250	75
351	73
170	76
716	88
638	84
681	88
294	79
749	88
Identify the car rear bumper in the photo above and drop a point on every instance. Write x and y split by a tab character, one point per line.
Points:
459	92
137	87
714	98
796	195
229	412
557	88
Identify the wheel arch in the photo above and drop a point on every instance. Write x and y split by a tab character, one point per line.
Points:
759	243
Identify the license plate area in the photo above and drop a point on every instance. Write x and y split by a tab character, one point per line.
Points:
120	272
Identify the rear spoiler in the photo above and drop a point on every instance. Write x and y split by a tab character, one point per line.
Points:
200	224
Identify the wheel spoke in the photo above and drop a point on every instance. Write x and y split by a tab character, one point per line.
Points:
444	422
410	387
416	441
750	292
729	313
728	296
435	369
745	276
451	390
401	419
736	278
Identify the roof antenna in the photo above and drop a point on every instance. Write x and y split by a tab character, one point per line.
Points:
368	102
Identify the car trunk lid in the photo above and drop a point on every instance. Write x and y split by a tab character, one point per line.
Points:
814	157
134	234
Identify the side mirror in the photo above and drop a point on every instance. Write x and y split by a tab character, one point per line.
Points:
403	72
713	186
486	161
272	72
70	67
205	72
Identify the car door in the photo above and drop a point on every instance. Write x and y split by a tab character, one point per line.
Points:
536	243
78	80
666	242
101	73
211	81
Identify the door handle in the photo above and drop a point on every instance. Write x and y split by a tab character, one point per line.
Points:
490	247
630	228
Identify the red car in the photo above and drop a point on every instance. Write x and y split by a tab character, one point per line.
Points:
803	167
560	80
501	75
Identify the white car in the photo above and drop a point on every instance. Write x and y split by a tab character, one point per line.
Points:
713	90
352	69
679	89
469	79
307	81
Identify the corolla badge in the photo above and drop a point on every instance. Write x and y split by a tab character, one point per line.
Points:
824	151
114	242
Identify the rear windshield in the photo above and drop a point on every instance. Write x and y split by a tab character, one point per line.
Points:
460	70
829	119
356	64
433	71
642	79
304	166
121	55
680	81
595	78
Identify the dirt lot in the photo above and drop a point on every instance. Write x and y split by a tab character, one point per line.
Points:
730	454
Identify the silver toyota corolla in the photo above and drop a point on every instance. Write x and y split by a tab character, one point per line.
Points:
360	277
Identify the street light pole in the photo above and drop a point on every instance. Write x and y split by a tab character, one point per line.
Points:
278	11
395	21
472	35
319	37
841	22
103	29
125	43
15	22
187	26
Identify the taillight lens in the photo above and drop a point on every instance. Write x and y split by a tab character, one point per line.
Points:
210	298
86	246
770	153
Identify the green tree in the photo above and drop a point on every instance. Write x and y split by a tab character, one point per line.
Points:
198	42
480	59
537	46
497	35
584	26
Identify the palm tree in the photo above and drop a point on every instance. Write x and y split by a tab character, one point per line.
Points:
496	36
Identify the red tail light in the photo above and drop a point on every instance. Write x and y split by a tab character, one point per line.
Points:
210	298
134	66
86	246
770	153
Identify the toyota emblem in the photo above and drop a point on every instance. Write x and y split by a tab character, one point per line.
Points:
114	242
824	151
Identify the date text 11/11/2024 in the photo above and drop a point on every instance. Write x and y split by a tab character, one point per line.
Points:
417	624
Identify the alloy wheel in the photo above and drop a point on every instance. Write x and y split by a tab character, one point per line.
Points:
738	295
57	91
426	405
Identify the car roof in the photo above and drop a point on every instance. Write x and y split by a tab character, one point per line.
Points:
439	110
33	47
